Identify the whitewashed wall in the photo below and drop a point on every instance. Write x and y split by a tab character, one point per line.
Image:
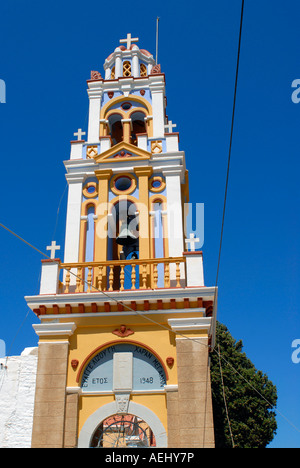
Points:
17	391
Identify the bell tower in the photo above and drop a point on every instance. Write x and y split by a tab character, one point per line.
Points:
126	321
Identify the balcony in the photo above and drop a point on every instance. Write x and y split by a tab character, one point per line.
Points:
122	275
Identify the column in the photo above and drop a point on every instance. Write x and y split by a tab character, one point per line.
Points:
118	66
50	395
103	177
95	96
126	130
175	219
72	238
143	174
157	92
135	66
195	413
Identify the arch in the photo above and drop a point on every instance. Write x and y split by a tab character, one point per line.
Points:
118	99
116	342
92	423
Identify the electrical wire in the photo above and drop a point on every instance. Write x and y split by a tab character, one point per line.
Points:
160	325
230	144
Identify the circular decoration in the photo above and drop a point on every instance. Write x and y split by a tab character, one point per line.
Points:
157	184
123	184
90	190
126	106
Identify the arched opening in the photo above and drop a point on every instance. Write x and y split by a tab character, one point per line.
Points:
123	238
116	128
121	431
138	125
104	412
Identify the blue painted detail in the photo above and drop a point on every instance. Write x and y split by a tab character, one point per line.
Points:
148	373
159	242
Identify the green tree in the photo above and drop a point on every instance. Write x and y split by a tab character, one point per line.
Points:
251	421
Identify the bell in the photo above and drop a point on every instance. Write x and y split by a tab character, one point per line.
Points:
126	237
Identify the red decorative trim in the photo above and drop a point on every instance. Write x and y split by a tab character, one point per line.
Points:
81	308
74	363
159	304
55	309
133	305
43	310
186	302
170	361
116	342
146	305
107	306
51	260
123	331
77	141
193	253
94	307
68	309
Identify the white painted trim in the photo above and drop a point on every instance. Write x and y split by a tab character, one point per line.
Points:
56	329
190	323
110	409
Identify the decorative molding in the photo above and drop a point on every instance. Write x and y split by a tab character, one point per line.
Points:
190	324
123	331
122	402
55	329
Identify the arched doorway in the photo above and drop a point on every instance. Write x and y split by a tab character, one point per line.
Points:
145	415
122	431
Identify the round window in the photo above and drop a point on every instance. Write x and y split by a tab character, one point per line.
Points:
123	183
126	106
156	183
91	189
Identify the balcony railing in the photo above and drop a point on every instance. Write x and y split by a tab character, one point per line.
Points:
120	275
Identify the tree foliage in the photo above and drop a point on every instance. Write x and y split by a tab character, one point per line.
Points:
250	407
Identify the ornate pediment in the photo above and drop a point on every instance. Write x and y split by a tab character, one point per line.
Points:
122	151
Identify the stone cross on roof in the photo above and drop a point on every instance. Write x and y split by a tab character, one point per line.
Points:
53	247
192	241
128	41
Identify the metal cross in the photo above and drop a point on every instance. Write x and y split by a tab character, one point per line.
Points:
170	126
53	247
128	41
192	241
79	134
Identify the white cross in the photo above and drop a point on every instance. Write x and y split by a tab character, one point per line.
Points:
53	247
79	134
170	126
128	41
192	241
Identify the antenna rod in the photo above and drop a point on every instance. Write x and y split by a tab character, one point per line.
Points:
157	21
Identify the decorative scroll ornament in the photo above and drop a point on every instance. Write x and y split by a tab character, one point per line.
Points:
156	70
123	331
122	402
95	75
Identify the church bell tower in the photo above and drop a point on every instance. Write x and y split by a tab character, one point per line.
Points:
126	321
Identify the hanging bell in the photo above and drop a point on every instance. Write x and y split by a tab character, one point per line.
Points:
126	237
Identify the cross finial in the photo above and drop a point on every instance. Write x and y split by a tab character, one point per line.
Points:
53	247
170	126
192	241
128	41
79	134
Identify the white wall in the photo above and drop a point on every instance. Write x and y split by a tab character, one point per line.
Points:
17	392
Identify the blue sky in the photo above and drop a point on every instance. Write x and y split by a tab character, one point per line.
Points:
47	52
